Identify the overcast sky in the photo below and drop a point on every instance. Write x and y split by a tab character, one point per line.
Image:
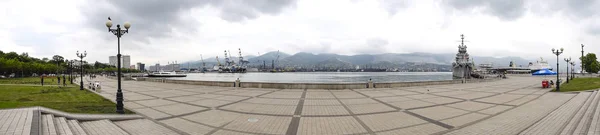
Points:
181	30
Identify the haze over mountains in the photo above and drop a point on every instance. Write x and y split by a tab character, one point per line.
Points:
375	60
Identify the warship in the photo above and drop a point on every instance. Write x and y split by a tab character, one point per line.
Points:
463	66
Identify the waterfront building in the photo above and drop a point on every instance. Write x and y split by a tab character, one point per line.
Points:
140	66
125	61
112	60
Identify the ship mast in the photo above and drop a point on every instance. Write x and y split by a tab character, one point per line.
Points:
218	62
226	58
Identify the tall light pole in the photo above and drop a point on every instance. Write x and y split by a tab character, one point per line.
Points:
71	71
557	52
81	56
118	32
568	63
582	59
572	70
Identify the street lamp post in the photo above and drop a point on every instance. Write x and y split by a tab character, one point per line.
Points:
568	63
572	70
72	68
81	56
118	32
582	59
557	52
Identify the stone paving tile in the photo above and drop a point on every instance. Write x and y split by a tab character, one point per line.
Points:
347	94
495	110
518	119
499	99
471	106
393	99
282	94
210	102
376	93
276	125
410	104
241	107
358	101
209	96
522	100
226	132
441	100
322	102
392	120
424	129
422	96
324	110
252	93
155	102
524	91
319	94
137	97
329	126
132	105
185	98
154	114
231	98
275	109
187	126
400	92
369	108
473	95
439	112
450	93
215	118
179	109
462	120
272	101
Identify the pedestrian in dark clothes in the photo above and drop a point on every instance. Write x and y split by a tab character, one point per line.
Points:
42	77
64	80
58	77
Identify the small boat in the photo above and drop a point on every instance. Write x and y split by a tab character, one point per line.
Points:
166	74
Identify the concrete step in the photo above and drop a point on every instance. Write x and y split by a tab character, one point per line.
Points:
48	126
549	125
144	127
102	127
593	126
76	128
586	120
572	124
61	126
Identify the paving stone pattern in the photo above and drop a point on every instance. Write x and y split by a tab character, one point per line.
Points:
509	106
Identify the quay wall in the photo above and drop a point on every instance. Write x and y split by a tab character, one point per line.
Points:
273	85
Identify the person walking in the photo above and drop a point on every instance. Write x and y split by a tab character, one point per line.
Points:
64	81
42	77
58	77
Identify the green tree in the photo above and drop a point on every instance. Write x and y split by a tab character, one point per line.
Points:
590	63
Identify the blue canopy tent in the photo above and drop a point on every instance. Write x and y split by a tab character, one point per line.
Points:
544	72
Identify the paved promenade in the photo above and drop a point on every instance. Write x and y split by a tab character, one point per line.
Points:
475	108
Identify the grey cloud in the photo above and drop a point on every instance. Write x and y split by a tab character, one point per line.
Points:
503	9
373	46
393	6
157	18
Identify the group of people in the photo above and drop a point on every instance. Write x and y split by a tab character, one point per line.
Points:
64	79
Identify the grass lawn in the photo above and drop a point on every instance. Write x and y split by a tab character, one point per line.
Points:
33	80
579	84
67	99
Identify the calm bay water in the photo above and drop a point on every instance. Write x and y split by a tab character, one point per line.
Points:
321	77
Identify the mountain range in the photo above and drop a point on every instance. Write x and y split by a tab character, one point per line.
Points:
386	60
